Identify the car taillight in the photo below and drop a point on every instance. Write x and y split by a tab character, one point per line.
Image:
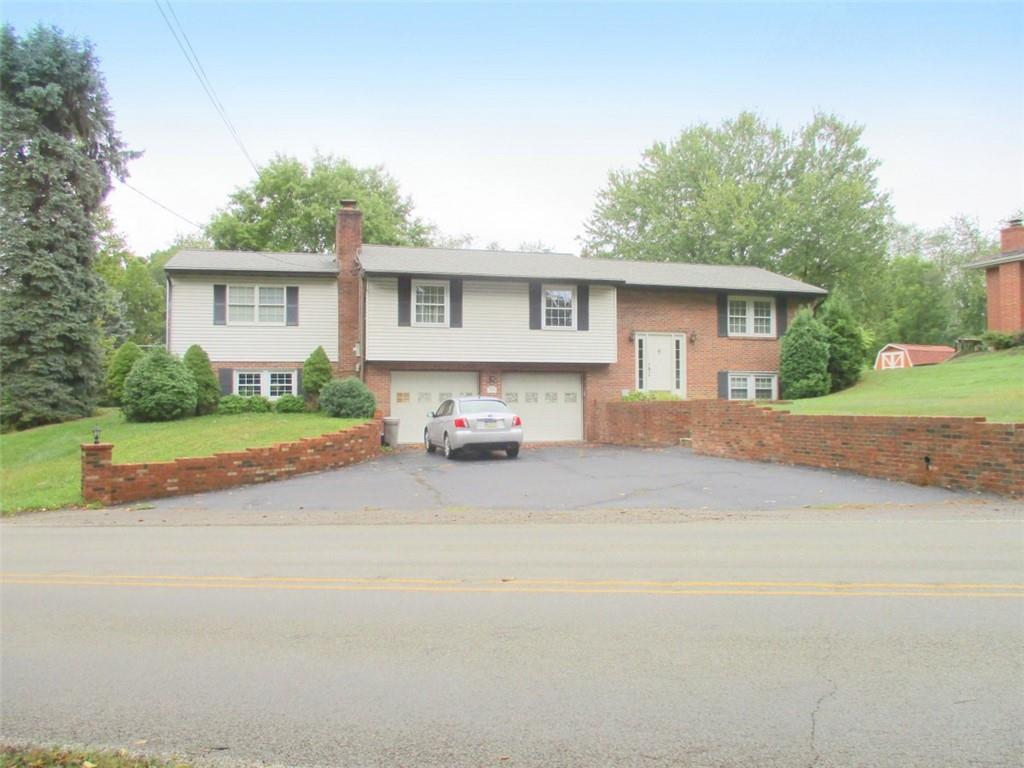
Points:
461	423
517	422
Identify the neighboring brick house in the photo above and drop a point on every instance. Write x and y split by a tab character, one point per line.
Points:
1004	280
555	335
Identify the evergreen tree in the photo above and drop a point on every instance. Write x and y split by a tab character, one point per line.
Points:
58	152
803	369
120	366
316	372
847	348
207	388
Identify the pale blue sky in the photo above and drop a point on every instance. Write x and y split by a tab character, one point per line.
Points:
503	121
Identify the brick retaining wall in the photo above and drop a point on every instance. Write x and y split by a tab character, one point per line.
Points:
110	483
962	453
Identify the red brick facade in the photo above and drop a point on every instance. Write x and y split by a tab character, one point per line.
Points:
965	454
110	483
1005	285
348	239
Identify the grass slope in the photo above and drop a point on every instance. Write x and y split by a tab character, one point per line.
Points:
987	384
39	468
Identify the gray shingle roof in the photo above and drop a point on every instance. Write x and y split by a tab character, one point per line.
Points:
395	260
1000	258
253	262
382	259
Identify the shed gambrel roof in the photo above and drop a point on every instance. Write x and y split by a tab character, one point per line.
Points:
393	260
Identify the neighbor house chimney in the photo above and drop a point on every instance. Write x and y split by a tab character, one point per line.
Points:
348	237
1011	237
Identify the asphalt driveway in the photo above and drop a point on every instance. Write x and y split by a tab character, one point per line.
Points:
566	478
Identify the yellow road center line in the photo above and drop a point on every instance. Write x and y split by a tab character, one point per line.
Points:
513	581
510	588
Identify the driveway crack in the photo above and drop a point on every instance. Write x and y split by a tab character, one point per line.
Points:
420	478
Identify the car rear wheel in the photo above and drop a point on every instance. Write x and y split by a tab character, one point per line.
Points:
426	442
512	451
449	452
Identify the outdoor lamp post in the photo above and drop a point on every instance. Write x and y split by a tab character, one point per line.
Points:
95	435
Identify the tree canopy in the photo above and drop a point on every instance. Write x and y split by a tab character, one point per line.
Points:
805	204
59	150
292	207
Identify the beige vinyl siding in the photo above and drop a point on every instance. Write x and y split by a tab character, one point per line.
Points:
191	313
495	328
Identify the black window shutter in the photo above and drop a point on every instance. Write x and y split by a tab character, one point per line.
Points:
455	303
220	305
723	314
723	385
781	317
404	299
292	305
226	376
298	382
535	292
583	308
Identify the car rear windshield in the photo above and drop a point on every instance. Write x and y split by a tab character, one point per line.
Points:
483	406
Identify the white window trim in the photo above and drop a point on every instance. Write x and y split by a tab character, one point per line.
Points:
750	376
544	306
265	380
750	317
643	336
255	307
447	302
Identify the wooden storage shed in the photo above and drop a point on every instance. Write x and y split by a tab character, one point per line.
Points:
911	355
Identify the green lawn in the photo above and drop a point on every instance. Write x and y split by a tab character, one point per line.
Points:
39	468
982	384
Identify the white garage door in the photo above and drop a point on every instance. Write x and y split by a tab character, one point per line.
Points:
414	394
550	404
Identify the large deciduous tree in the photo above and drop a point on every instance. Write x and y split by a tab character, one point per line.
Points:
59	150
805	204
292	207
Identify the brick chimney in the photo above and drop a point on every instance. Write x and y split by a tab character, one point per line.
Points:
348	235
1011	237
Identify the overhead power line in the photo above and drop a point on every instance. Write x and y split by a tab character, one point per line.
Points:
185	45
161	205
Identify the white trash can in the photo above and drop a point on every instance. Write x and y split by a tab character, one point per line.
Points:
390	431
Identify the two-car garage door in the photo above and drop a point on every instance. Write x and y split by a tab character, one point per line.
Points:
550	404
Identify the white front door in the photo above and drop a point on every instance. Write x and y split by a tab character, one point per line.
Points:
661	362
414	394
550	404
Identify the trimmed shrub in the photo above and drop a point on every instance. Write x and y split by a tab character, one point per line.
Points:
230	405
997	340
159	388
316	372
234	404
847	347
207	388
120	366
347	399
803	369
644	396
290	404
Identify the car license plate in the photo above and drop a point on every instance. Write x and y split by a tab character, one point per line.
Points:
489	423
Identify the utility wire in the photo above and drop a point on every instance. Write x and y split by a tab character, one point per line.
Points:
197	69
158	203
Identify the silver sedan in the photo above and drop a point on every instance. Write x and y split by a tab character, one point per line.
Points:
473	423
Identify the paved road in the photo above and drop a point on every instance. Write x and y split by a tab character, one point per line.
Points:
877	637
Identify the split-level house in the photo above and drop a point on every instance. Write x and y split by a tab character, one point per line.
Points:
1004	280
554	335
